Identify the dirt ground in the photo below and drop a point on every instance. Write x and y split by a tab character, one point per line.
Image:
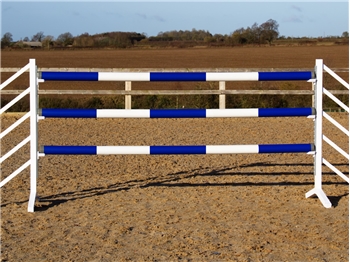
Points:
254	58
242	207
239	57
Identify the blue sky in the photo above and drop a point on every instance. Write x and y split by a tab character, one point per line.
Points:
295	19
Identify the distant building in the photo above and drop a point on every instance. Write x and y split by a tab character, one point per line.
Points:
32	44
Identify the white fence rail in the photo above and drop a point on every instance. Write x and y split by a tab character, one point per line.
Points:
128	92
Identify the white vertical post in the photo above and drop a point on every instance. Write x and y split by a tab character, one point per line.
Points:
33	133
318	161
318	123
222	98
127	97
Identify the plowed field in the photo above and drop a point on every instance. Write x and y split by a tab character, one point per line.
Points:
260	58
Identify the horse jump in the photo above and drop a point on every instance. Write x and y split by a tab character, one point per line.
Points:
315	148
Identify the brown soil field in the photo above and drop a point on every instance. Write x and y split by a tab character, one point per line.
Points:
264	58
250	57
239	207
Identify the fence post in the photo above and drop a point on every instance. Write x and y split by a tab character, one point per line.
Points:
33	133
127	97
222	98
318	161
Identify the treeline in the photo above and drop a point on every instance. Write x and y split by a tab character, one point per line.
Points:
265	33
109	39
112	39
256	34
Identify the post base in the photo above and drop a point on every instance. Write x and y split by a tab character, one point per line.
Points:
321	196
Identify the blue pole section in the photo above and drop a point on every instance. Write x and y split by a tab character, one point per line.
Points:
286	148
177	113
285	112
285	76
166	150
68	113
178	76
69	150
69	76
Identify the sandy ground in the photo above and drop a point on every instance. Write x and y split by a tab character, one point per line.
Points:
243	207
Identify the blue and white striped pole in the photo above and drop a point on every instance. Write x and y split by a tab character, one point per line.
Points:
176	113
177	76
183	149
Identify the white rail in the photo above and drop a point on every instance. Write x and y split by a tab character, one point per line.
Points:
335	170
336	100
335	123
20	72
15	173
334	145
15	100
13	150
14	125
335	76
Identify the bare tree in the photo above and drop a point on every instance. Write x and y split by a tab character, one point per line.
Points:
65	39
239	36
269	30
48	41
83	40
38	37
6	40
256	33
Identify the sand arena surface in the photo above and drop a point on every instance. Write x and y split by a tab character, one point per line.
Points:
174	208
243	207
